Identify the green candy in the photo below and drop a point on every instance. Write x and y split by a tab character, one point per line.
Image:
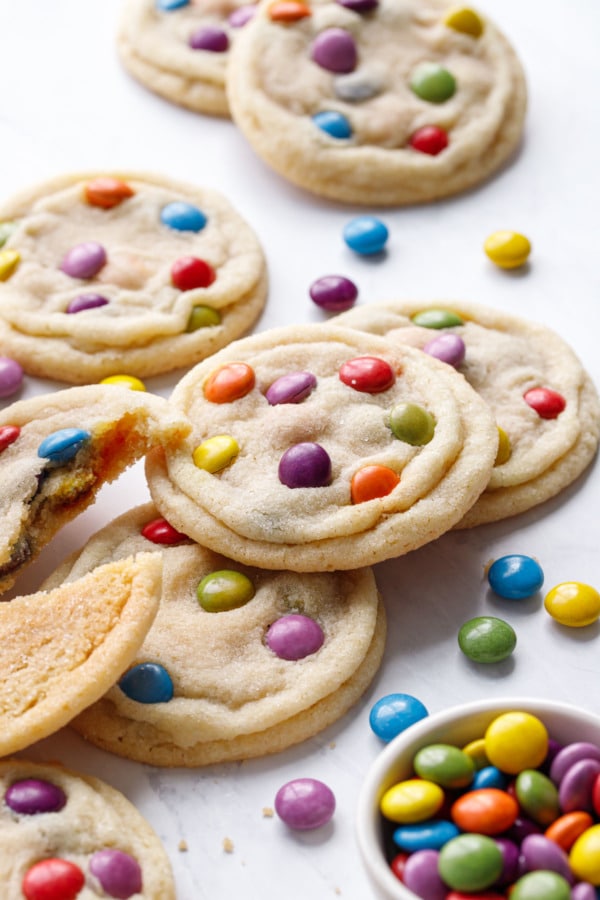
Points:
486	639
432	82
6	229
444	764
202	317
541	885
470	862
537	796
412	424
436	318
224	590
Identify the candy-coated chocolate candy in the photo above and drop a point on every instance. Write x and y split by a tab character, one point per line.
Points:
429	835
224	590
11	376
575	788
510	860
394	713
421	876
368	374
596	796
436	318
291	388
507	249
215	453
31	796
449	348
487	639
333	123
515	741
84	260
119	873
584	857
569	755
127	381
305	803
523	827
397	865
573	603
432	82
230	382
565	830
515	577
182	216
430	139
485	811
547	403
542	885
147	683
288	11
489	777
107	192
537	796
538	852
52	879
470	862
504	448
334	49
238	17
305	465
210	38
6	230
412	424
359	6
465	20
334	293
372	482
86	301
478	895
444	764
9	260
366	235
63	445
583	890
159	531
170	5
294	636
8	435
202	317
412	800
476	750
190	272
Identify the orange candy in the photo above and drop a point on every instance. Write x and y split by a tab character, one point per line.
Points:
485	811
229	383
565	830
288	11
371	482
107	192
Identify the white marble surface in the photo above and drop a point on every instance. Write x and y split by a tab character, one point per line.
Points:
66	104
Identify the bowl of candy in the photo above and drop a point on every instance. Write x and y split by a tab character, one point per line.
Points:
491	799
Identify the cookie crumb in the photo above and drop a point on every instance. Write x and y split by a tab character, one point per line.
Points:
182	846
332	745
267	812
227	845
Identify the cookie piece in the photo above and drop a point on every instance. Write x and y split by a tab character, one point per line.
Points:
58	824
283	655
130	273
180	48
316	448
62	649
540	395
384	102
57	450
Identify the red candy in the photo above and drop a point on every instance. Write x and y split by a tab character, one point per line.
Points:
53	879
397	865
368	374
229	383
596	796
159	531
189	272
430	139
547	403
486	895
485	811
8	434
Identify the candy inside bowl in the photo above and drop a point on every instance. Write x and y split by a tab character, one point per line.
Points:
536	836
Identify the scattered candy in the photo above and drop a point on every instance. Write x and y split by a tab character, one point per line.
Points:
292	388
573	603
366	235
86	301
224	590
334	293
507	249
11	376
128	381
84	260
61	446
486	639
394	713
305	465
118	873
515	577
294	637
305	803
335	50
147	683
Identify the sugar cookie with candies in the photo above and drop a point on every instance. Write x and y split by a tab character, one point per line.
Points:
544	402
316	448
384	102
66	834
111	273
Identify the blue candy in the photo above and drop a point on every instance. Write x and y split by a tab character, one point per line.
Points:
429	835
366	235
333	123
394	713
61	446
515	577
182	216
147	683
489	777
170	5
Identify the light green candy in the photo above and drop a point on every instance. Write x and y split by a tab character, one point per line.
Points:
470	862
412	424
6	229
537	796
541	885
444	764
202	317
432	82
224	590
436	318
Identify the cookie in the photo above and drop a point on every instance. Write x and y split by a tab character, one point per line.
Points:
282	655
62	649
316	448
61	829
57	450
105	274
180	48
542	398
385	102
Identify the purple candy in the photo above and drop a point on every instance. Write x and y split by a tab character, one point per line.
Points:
305	803
539	852
294	637
359	6
334	293
510	857
521	828
86	301
11	376
292	388
32	796
240	16
84	260
420	875
305	465
118	873
570	754
213	39
335	50
449	348
584	891
575	789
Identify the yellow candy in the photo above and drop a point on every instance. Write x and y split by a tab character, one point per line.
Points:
464	20
508	249
476	750
414	800
9	260
515	741
573	603
584	857
215	453
504	448
125	381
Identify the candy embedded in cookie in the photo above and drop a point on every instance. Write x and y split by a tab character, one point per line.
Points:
545	405
283	655
317	448
62	830
124	273
383	103
56	452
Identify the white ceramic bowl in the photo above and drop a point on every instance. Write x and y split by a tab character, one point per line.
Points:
457	725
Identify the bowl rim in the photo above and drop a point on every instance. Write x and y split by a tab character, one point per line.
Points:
469	721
